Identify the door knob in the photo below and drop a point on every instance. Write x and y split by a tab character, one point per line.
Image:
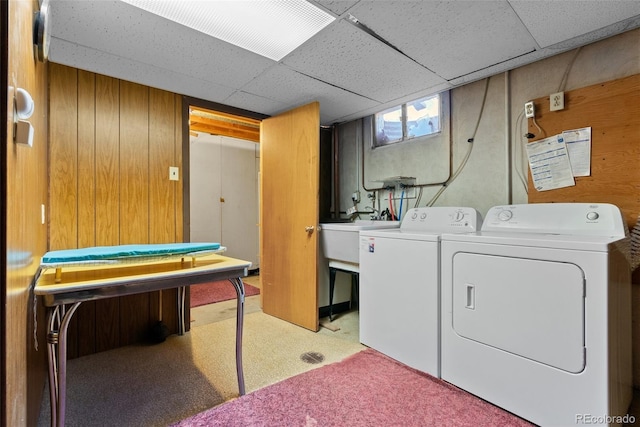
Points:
309	229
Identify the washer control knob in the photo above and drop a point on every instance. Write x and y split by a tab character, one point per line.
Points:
505	215
592	216
458	216
415	215
423	215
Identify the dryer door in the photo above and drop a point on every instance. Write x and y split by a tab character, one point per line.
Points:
530	308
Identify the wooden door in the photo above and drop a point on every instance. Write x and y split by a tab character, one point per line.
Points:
289	197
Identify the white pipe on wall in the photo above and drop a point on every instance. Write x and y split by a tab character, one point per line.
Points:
507	136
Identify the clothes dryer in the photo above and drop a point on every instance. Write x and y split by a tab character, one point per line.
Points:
537	313
400	284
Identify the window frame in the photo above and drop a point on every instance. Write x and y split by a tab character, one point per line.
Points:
377	142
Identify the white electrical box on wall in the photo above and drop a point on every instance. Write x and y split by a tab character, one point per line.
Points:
529	110
174	173
556	101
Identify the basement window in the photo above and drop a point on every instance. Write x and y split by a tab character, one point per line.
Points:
414	119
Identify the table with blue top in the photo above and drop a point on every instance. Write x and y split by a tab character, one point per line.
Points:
68	278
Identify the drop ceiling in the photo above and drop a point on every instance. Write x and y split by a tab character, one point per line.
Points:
398	50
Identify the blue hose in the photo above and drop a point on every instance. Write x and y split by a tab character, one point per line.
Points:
400	211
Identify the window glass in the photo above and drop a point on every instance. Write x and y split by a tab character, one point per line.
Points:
389	126
411	120
423	117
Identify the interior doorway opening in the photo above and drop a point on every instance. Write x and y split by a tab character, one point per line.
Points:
222	161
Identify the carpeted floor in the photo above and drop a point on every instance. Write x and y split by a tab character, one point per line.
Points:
156	385
366	389
214	292
163	384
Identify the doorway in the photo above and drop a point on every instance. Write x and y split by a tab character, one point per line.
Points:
289	289
223	169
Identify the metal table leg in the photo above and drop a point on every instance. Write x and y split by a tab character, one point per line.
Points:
57	325
332	285
182	292
239	286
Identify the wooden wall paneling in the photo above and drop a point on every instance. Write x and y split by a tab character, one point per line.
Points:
180	136
107	331
63	158
134	197
85	319
107	217
86	159
120	140
162	198
170	297
182	196
171	302
107	152
134	163
63	168
612	110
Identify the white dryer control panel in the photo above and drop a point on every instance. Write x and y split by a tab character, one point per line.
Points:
443	219
596	219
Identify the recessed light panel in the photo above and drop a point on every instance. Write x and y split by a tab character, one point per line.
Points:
271	28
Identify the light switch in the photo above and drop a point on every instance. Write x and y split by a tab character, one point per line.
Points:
174	173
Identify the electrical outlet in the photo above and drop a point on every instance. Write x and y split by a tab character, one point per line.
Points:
529	111
556	101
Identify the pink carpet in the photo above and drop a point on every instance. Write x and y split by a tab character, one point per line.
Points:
209	293
366	389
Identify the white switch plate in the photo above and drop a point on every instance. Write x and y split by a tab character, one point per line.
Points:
174	174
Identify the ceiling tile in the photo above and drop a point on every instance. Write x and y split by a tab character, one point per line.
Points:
346	57
66	53
289	86
551	22
251	102
451	38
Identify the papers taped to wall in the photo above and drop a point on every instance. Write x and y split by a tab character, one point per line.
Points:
555	161
579	148
549	164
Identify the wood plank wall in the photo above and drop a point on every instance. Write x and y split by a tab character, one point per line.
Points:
111	145
612	110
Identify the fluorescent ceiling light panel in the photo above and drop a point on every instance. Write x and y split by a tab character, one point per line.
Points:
271	28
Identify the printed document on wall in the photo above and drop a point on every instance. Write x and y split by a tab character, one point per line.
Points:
579	148
549	164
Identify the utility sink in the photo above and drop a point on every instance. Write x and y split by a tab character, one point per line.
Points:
340	240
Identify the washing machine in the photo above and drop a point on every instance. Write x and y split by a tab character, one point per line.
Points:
536	313
400	284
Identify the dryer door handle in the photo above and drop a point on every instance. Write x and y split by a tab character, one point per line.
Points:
471	297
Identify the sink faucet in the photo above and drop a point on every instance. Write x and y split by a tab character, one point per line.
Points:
374	214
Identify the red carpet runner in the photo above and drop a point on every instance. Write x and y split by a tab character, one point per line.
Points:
366	389
209	293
